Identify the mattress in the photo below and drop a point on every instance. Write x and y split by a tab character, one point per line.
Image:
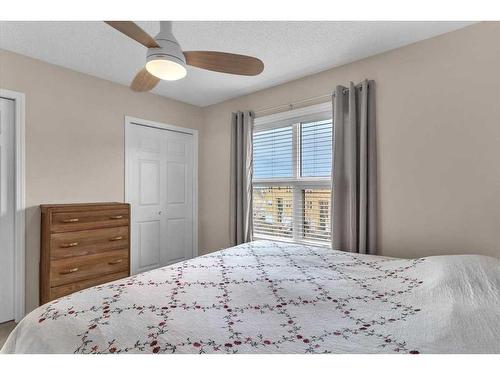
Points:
273	297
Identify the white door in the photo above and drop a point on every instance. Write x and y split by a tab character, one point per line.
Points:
160	190
179	197
7	207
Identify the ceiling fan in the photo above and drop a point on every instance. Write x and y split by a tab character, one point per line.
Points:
166	60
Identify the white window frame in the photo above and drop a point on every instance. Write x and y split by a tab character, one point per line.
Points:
294	118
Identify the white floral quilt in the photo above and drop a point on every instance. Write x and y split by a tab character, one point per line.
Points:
271	297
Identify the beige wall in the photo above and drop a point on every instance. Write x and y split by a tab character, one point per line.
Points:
438	116
75	139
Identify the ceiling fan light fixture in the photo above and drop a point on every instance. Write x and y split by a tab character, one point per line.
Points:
166	61
166	69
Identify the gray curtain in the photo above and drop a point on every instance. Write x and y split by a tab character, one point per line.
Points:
240	225
354	169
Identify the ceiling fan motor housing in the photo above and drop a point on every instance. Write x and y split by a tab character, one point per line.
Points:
169	47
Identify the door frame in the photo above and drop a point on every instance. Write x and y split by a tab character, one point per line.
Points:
19	99
131	121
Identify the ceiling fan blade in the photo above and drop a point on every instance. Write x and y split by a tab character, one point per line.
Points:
225	62
144	81
133	31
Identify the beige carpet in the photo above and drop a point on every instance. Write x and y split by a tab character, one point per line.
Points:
5	330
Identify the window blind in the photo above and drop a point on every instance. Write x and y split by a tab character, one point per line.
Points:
273	211
316	149
315	215
273	153
291	186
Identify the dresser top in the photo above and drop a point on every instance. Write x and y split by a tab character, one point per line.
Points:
84	206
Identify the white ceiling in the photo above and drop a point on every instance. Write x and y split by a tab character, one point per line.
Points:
290	50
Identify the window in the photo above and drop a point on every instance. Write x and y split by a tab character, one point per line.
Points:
270	218
316	149
279	204
272	153
316	214
292	176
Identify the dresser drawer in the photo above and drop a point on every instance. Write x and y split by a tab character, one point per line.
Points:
70	270
64	290
87	242
81	220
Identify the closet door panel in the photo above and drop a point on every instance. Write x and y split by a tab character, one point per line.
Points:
179	207
147	163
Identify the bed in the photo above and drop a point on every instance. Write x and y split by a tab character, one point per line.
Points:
272	297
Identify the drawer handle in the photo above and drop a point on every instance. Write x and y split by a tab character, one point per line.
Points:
72	220
114	217
71	270
117	238
72	244
115	262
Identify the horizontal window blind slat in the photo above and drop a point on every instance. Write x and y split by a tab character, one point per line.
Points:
273	138
322	143
263	133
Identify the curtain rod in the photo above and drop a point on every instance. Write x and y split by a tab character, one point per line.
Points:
293	105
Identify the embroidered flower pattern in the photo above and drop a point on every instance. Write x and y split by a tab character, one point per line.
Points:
260	297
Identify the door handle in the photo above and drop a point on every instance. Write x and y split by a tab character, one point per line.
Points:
115	262
117	238
114	217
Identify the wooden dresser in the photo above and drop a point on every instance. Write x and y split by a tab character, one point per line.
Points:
82	245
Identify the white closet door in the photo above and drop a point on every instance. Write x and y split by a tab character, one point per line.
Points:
179	204
7	208
160	191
